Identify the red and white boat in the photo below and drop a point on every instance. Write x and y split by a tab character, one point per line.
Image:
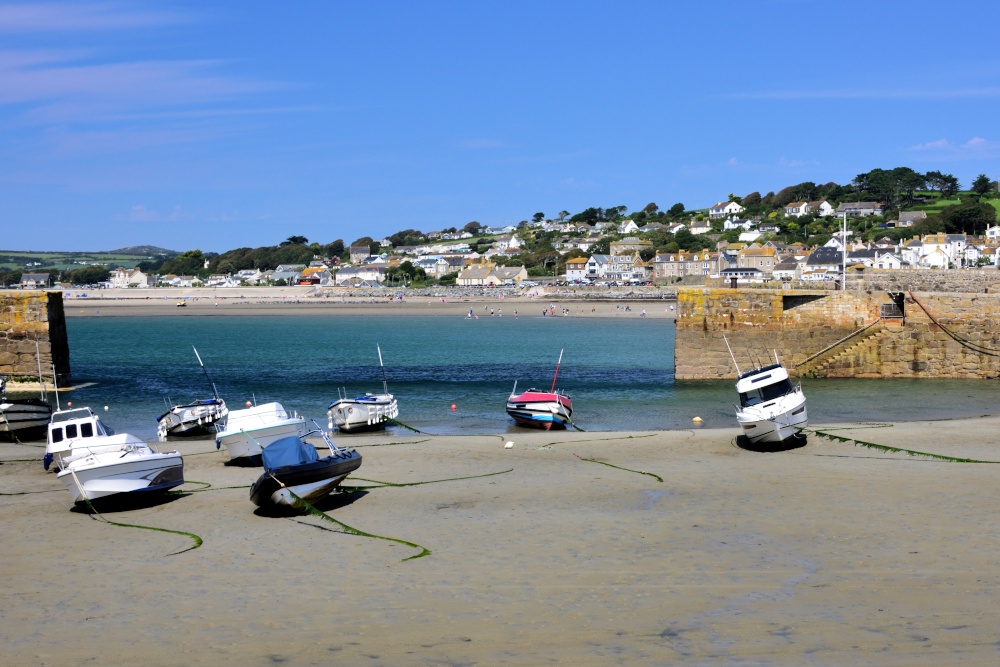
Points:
541	409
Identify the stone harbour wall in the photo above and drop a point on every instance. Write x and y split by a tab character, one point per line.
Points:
27	316
821	333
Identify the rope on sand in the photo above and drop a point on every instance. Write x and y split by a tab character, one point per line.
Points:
308	507
378	484
604	463
197	540
890	449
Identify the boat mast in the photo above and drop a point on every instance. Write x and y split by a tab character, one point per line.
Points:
385	386
557	371
210	383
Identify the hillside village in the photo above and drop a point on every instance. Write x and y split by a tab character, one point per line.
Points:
749	239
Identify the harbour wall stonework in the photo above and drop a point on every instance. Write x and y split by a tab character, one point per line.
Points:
27	316
843	334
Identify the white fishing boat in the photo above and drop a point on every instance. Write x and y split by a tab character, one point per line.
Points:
193	419
248	431
22	418
96	463
771	408
541	409
292	467
369	412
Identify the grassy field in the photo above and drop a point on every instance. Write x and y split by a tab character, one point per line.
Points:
40	261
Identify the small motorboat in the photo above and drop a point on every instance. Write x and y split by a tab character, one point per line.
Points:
541	409
95	463
22	418
292	466
248	431
370	412
192	419
771	409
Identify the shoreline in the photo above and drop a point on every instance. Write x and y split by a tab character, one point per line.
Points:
566	548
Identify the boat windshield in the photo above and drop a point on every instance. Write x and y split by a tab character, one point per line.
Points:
765	393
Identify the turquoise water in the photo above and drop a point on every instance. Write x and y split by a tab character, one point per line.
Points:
619	372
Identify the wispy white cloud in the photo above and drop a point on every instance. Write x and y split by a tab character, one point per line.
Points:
139	213
48	17
732	162
870	94
976	147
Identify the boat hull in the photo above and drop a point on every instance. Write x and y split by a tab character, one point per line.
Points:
309	481
365	413
248	443
545	410
113	473
24	419
192	420
776	423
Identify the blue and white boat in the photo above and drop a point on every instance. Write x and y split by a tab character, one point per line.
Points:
193	419
370	412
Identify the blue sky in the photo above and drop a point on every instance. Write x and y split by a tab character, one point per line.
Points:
217	125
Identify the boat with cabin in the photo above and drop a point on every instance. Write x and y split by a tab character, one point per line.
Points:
771	408
95	462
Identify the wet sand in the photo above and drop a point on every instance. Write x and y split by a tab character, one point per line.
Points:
827	554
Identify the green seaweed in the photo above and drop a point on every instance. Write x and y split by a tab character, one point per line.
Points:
894	450
604	463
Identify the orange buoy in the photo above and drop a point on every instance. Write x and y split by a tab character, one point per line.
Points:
249	404
697	420
69	404
454	407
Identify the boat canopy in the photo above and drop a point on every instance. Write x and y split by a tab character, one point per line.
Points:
289	451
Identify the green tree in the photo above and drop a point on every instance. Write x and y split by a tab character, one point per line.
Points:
295	240
677	209
981	185
968	217
538	217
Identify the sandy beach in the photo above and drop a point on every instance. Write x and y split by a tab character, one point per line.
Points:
343	301
565	549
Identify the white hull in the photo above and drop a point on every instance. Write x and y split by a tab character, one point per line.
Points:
137	469
191	419
370	412
247	431
776	421
307	492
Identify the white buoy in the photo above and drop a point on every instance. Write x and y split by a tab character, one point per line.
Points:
105	408
508	445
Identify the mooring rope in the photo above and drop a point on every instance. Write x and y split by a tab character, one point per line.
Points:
975	347
197	540
890	449
354	489
300	503
605	463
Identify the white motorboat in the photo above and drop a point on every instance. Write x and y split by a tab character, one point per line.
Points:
22	418
197	418
369	412
248	431
95	463
771	409
363	413
292	466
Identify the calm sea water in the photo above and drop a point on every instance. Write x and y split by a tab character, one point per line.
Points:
619	372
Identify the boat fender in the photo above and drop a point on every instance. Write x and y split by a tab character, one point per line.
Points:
47	460
218	445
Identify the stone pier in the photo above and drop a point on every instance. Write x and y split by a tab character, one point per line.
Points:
27	316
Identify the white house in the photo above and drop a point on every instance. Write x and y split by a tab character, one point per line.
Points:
122	278
724	209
